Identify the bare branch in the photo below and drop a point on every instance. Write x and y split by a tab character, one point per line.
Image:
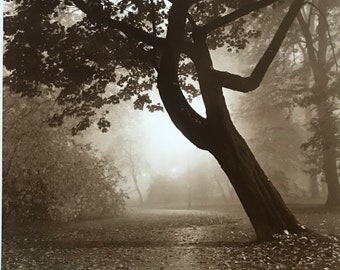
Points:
309	42
246	84
323	16
244	10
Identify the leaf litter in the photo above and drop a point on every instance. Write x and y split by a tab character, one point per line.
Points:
169	239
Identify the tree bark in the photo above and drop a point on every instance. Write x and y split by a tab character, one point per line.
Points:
216	133
263	204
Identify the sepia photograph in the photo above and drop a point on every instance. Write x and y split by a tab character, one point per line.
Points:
171	135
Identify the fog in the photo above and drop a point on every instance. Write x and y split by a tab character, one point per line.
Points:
157	147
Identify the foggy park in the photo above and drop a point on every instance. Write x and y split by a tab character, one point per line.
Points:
171	134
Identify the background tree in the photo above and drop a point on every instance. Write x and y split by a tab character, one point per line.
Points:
297	87
124	148
132	162
124	43
323	93
274	137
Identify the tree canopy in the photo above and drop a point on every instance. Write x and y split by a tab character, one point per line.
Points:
90	54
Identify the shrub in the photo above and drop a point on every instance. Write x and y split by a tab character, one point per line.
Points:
47	175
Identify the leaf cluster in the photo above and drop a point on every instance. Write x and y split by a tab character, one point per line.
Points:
89	63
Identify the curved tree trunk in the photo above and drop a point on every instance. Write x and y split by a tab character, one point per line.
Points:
216	133
263	204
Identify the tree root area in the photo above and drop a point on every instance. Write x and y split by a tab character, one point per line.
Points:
214	238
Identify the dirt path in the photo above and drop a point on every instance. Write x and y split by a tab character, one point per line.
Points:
170	239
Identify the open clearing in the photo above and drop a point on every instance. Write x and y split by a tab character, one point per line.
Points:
214	238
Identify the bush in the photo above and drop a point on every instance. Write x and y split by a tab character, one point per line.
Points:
47	175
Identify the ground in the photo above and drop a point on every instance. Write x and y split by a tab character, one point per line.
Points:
205	238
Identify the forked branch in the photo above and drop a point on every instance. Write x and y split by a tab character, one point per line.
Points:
246	84
309	41
185	118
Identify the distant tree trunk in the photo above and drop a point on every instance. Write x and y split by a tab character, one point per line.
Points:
314	186
189	196
221	188
326	120
133	170
333	198
313	168
265	208
134	177
325	111
329	164
307	78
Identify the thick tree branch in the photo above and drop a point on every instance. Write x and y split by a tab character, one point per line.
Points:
127	29
185	118
242	84
244	10
269	55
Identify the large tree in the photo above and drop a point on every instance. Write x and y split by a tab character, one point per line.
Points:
135	44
